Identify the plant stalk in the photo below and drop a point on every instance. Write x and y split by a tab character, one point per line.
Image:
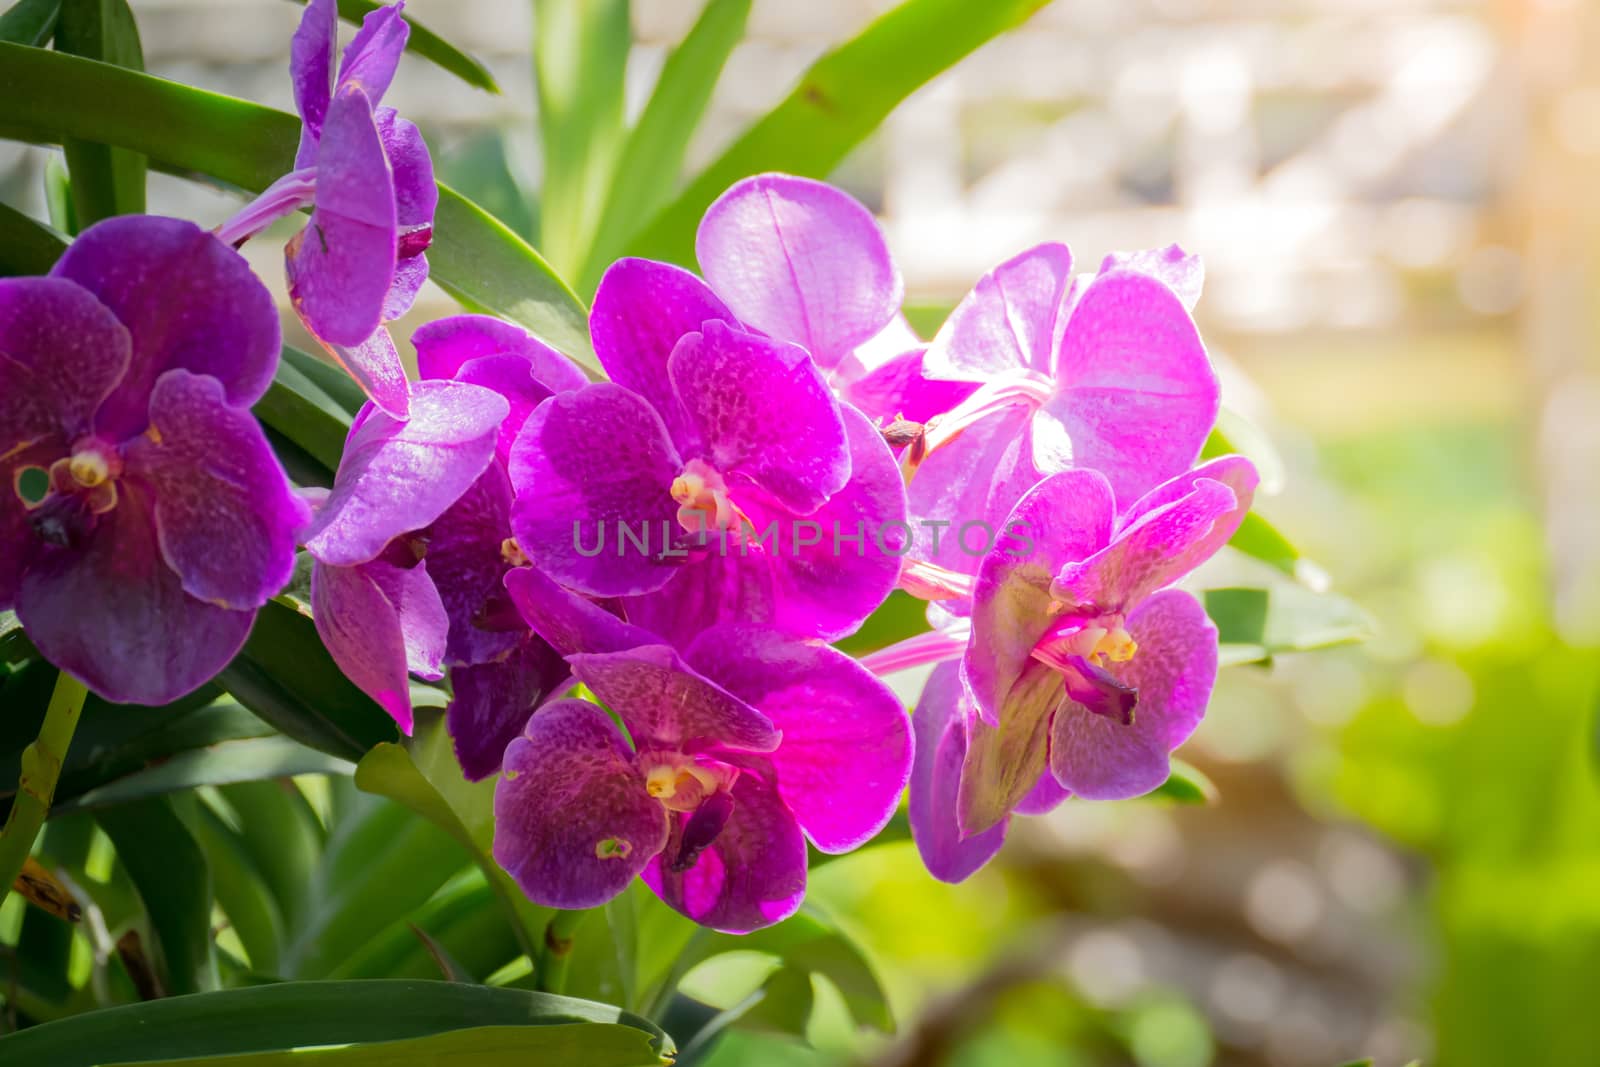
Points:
555	951
36	788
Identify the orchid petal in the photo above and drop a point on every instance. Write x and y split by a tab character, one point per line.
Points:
491	702
940	721
663	702
1007	323
62	352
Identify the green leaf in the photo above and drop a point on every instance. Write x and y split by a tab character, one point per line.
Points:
27	246
334	383
652	156
303	412
1240	615
466	815
113	741
246	760
240	886
461	924
1295	620
58	195
1185	784
1259	539
285	675
174	882
580	60
280	832
479	168
377	871
295	1015
106	181
843	97
190	131
30	22
427	44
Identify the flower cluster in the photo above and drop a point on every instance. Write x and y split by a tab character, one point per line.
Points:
632	583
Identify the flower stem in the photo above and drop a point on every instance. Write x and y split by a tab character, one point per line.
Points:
555	952
934	646
41	766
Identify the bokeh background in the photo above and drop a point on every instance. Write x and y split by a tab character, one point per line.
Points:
1396	201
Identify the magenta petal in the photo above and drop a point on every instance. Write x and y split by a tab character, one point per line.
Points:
967	488
825	704
466	559
1007	323
375	365
586	463
416	197
341	265
491	702
1183	273
820	575
573	823
62	352
640	310
187	299
801	261
509	376
568	621
311	53
1099	758
1045	796
446	345
900	389
665	703
381	623
225	512
1136	392
1182	526
752	875
1066	517
115	616
396	477
370	59
941	746
763	413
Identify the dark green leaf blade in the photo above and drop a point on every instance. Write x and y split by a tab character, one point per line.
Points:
27	246
251	759
30	22
174	882
843	97
296	1014
106	181
285	675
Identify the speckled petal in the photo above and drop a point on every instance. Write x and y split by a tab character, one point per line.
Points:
114	615
1100	758
752	875
573	823
587	463
763	413
664	702
311	53
225	511
62	352
826	705
187	300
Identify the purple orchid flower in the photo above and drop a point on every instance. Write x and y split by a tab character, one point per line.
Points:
375	603
1105	372
368	177
500	669
144	517
732	759
713	478
1084	671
